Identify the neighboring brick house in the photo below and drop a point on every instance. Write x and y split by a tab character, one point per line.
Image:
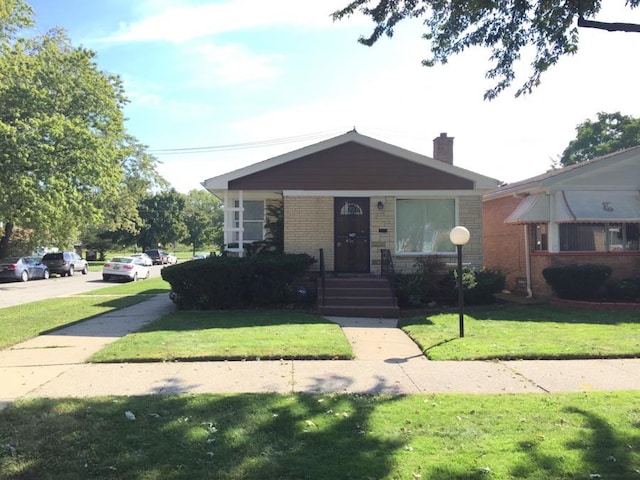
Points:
584	213
354	196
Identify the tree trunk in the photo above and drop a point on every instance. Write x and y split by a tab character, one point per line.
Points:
4	241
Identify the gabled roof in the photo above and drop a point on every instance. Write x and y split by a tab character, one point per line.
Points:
222	182
557	178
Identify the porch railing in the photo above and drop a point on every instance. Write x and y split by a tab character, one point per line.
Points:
322	274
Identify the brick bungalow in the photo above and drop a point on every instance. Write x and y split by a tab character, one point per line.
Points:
584	213
354	196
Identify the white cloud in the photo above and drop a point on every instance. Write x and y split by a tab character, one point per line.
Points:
230	64
177	23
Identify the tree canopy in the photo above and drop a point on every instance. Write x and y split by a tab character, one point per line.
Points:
505	27
203	217
610	133
66	161
163	219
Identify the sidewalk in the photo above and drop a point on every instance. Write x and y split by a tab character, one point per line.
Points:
387	361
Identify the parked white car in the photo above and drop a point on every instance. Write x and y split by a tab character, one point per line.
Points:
146	259
171	259
125	268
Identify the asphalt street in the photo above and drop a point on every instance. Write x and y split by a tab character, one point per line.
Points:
17	293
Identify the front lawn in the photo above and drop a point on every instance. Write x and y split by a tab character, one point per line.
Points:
231	335
526	332
324	437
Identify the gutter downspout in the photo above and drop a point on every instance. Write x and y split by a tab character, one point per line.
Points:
527	260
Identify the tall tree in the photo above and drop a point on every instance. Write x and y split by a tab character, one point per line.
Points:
609	133
505	27
203	219
14	16
65	159
121	222
163	217
61	137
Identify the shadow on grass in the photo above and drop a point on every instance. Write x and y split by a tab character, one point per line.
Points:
272	436
199	320
251	436
605	452
530	314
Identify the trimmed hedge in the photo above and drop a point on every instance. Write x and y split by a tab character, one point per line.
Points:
222	282
626	290
577	281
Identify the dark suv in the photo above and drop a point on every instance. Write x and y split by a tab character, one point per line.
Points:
158	257
65	263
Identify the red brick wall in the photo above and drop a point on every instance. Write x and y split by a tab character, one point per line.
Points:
622	264
503	245
503	248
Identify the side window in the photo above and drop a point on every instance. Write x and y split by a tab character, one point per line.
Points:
253	220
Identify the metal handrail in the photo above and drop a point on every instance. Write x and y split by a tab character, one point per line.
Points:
322	273
386	264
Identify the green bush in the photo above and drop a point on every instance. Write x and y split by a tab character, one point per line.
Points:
424	285
478	285
222	282
409	290
433	282
627	289
577	281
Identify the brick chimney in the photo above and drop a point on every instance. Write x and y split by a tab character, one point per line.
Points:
443	148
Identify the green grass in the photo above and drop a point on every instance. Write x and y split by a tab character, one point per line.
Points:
527	332
231	335
324	437
151	286
22	322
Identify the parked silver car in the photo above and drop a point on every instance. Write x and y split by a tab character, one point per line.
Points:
65	263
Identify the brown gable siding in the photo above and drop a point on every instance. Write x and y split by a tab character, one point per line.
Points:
350	166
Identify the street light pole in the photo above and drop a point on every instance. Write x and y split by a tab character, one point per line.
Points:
460	236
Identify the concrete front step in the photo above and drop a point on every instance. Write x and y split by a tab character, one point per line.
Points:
357	297
334	291
359	311
385	300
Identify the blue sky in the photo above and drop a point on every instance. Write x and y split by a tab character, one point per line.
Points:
202	73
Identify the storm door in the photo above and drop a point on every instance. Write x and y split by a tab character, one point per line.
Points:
351	217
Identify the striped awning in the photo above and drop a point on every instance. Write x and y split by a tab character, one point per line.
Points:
532	209
597	206
579	206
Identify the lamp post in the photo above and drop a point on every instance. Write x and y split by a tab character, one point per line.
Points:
459	236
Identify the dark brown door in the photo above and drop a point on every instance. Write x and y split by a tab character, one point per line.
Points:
351	216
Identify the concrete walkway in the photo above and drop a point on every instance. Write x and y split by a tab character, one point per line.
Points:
387	361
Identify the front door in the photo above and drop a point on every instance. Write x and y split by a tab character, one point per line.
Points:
351	216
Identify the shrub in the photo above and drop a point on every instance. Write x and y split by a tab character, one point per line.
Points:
221	282
487	281
577	281
478	285
409	290
434	282
627	289
424	285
